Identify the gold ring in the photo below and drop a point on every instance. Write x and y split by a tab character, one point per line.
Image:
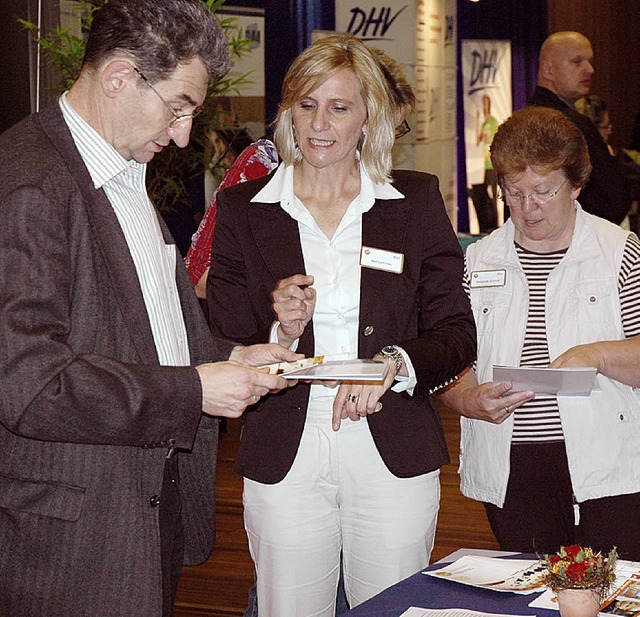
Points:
507	410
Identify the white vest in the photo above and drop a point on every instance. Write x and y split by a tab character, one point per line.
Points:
602	431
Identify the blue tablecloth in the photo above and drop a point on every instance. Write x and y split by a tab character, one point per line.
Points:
429	592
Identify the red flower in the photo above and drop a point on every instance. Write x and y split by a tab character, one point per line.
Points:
572	550
577	571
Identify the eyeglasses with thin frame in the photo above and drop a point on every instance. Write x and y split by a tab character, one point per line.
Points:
538	198
403	129
177	118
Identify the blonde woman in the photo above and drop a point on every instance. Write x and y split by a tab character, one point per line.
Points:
352	260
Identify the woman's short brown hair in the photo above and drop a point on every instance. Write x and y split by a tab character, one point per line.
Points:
312	68
544	140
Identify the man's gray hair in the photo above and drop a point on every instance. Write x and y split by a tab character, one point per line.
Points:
159	35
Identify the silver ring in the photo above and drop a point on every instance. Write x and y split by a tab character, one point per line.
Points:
353	398
378	407
507	410
256	398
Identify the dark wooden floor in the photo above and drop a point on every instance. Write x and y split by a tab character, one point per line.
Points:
219	587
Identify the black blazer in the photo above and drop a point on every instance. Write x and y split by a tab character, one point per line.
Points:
607	193
425	310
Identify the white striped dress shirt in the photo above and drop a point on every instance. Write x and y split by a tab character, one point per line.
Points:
155	262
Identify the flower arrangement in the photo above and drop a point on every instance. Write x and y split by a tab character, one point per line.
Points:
577	567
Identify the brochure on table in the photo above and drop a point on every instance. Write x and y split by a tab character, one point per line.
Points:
449	612
507	575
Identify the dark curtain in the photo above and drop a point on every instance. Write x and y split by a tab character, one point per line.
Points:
288	25
524	23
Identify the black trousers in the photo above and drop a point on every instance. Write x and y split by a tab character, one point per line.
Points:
539	513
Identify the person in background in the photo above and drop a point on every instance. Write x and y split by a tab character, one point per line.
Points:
595	108
485	203
107	363
565	72
403	98
255	161
554	287
318	245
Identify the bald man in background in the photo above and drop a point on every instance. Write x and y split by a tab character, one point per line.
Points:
565	72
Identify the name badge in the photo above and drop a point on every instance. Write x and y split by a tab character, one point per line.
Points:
379	259
488	278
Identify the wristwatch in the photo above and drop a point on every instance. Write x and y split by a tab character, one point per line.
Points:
391	351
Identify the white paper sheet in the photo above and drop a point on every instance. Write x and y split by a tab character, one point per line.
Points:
319	369
507	575
449	612
561	381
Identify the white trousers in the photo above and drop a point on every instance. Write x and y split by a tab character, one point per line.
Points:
338	495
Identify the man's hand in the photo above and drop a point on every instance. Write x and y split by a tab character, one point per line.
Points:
294	301
258	355
229	388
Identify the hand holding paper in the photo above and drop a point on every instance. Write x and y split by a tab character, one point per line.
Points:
491	401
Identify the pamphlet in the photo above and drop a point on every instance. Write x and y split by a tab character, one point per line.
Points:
507	575
319	369
559	381
449	612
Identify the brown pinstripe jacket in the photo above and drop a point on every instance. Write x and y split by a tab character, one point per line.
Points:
86	412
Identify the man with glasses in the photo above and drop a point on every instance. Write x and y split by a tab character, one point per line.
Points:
565	72
108	470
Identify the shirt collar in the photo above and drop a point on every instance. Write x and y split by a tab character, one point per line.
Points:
280	189
103	161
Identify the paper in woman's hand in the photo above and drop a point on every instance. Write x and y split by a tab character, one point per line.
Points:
559	381
319	369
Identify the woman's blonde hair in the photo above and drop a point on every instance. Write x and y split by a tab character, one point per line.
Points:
312	68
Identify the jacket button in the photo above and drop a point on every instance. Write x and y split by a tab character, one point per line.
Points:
368	331
154	502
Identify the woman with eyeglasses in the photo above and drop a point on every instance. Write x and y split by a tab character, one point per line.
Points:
554	287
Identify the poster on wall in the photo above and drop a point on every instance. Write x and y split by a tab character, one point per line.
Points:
487	100
381	24
421	36
250	23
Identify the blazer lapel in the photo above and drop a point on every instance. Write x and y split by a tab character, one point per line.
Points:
277	238
383	227
276	235
108	236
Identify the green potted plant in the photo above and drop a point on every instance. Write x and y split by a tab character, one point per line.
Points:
170	171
